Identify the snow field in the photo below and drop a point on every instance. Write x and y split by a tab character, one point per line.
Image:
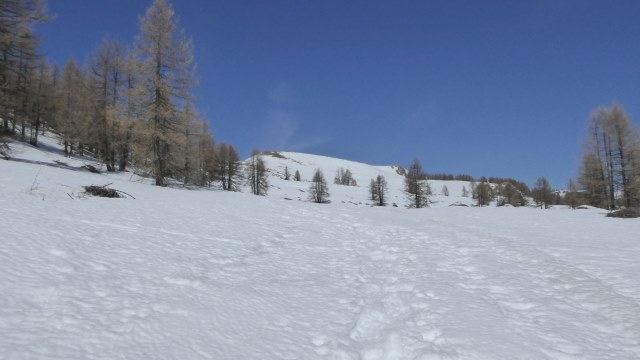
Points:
213	275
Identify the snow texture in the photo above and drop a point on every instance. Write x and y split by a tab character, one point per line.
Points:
206	274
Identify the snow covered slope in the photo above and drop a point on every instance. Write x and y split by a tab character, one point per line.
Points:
307	164
184	274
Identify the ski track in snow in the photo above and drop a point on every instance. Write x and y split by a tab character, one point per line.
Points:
182	274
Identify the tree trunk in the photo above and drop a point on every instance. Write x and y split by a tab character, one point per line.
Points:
610	178
34	131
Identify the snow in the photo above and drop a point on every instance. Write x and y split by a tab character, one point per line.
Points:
206	274
362	173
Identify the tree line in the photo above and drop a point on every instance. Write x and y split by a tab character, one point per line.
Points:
21	67
128	105
131	105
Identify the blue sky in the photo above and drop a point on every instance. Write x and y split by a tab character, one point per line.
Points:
496	88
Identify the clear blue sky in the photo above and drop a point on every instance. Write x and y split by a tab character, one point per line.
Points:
501	88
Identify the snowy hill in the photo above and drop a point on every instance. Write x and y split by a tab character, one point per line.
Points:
206	274
307	164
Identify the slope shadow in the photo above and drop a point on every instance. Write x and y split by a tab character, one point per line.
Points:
58	165
10	156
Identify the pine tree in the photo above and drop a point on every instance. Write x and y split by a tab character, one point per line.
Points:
167	76
297	176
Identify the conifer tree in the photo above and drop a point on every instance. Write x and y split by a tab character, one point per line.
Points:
167	76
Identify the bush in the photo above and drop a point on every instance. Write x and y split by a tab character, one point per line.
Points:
101	191
627	213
